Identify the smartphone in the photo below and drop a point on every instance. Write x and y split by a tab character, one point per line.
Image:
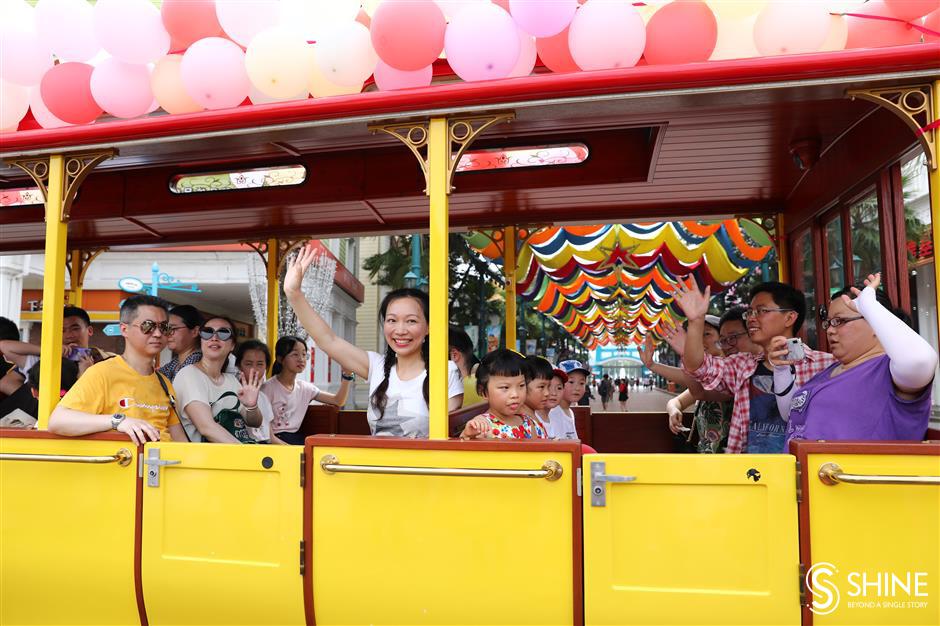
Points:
77	353
795	351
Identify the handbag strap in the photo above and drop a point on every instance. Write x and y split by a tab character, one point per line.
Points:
169	396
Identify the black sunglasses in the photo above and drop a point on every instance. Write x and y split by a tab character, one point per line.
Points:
148	326
207	332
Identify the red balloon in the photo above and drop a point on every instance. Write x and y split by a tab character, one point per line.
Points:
66	92
188	21
554	53
681	32
909	10
408	35
866	32
363	18
932	21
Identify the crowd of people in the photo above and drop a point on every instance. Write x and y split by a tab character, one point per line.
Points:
755	386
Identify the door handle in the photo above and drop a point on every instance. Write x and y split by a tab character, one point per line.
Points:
599	479
832	474
154	463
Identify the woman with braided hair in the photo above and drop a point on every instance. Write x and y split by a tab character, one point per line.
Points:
398	379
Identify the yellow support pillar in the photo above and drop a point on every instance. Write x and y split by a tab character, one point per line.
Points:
438	189
53	292
783	254
934	178
75	274
509	270
274	296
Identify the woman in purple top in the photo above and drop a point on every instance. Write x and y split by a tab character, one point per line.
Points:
879	389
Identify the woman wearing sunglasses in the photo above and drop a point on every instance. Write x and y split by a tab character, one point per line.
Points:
880	387
214	405
183	340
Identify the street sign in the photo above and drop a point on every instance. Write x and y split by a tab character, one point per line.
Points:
112	330
131	284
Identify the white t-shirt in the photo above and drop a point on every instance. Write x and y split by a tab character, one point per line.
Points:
406	412
193	385
561	424
262	434
289	407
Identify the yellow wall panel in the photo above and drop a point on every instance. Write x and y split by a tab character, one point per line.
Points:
392	549
693	540
221	536
869	532
67	535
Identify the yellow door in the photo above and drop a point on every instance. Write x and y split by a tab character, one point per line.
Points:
690	539
469	548
874	549
67	519
222	528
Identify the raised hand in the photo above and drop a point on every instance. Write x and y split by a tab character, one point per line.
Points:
298	267
873	281
646	351
251	387
675	336
777	351
693	302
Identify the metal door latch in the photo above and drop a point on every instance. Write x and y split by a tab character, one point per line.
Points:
153	464
598	480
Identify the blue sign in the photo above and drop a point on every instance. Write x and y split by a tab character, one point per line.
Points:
158	280
112	330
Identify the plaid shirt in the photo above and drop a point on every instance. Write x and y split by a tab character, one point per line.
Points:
732	374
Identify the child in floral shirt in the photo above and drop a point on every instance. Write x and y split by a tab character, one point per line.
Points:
502	379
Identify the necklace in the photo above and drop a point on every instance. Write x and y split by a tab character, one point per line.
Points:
215	380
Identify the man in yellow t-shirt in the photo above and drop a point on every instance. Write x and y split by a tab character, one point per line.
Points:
125	393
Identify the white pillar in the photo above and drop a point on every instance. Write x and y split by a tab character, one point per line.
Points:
12	271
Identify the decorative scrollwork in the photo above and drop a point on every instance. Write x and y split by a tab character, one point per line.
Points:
915	105
77	167
284	248
461	132
85	257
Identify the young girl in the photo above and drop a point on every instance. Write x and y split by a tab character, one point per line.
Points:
398	380
290	395
556	388
254	356
541	374
204	390
502	380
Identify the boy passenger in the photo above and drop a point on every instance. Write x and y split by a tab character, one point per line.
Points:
561	418
125	393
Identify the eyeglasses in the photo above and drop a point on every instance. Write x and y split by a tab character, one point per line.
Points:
730	341
761	311
207	332
835	322
148	326
173	329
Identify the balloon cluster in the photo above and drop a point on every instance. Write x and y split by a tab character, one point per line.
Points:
69	61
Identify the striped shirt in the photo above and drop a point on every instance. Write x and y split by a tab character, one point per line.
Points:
732	375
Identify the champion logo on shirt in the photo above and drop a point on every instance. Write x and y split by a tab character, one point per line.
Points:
126	403
799	401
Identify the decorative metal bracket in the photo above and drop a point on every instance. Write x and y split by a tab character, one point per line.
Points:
77	168
461	132
84	260
284	248
523	234
915	105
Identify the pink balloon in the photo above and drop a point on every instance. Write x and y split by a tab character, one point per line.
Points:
66	92
67	29
909	10
605	35
188	21
681	32
543	18
24	57
932	21
122	89
527	54
408	35
389	78
131	30
791	28
41	112
213	73
243	19
555	54
874	33
482	43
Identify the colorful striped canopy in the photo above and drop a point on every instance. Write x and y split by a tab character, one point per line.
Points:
613	283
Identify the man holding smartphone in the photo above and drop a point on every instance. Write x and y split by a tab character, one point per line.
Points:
776	312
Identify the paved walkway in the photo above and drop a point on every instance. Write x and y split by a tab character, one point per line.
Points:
640	400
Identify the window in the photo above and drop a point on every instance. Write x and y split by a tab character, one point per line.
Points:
834	255
21	196
287	175
804	279
866	237
528	156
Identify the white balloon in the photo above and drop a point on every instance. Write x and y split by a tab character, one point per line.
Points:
451	8
320	87
314	19
14	102
131	30
66	27
527	54
276	62
344	54
259	97
243	19
23	57
41	111
597	37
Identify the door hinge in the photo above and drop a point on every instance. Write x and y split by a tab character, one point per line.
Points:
303	557
577	478
803	585
303	470
799	483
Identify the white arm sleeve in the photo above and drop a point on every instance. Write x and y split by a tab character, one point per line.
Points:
784	378
913	360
